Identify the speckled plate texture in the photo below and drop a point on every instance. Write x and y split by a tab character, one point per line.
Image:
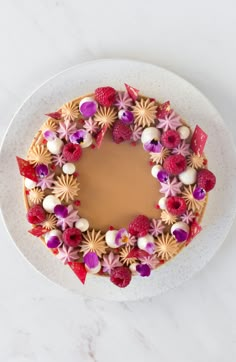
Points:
156	82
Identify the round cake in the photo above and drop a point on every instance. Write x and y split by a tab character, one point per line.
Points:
116	184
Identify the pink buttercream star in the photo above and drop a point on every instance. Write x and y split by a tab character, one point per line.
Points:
69	220
188	217
171	188
59	160
182	149
171	121
110	262
123	101
46	182
156	227
67	254
66	129
136	132
90	126
150	260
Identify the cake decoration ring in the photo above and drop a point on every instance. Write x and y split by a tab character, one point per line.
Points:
51	174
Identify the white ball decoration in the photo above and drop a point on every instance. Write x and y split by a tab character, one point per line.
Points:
162	203
51	233
110	237
30	184
144	240
155	169
88	140
149	134
55	146
184	132
132	268
49	202
68	168
82	224
189	176
94	270
179	225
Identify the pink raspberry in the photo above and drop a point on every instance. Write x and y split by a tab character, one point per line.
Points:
206	180
72	237
139	226
120	276
72	152
170	139
176	205
121	132
36	214
175	164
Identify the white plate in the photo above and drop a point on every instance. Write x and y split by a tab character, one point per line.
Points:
156	82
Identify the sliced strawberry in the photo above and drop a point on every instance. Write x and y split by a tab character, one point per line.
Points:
54	115
132	92
163	110
79	269
137	253
101	135
26	169
38	231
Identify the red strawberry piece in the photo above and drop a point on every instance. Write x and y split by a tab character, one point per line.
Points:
72	152
198	140
132	92
26	169
195	229
54	115
79	270
120	276
139	226
105	96
175	164
38	231
170	139
72	237
36	214
101	135
206	180
163	110
121	132
137	253
176	205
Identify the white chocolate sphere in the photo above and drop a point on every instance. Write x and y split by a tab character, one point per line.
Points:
51	233
49	202
55	146
88	140
94	270
162	203
179	225
132	268
189	176
82	224
184	132
29	184
149	134
144	240
155	169
110	237
68	168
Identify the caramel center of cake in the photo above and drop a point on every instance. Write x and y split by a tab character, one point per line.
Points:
116	185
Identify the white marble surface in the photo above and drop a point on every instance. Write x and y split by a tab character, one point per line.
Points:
40	321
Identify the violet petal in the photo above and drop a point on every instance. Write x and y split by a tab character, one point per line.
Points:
150	248
126	117
143	269
53	242
49	135
163	176
91	260
120	236
78	136
61	211
41	170
199	193
153	146
180	235
88	109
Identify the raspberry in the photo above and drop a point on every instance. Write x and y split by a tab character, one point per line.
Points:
139	226
206	179
72	237
105	96
176	205
121	132
170	139
175	164
36	214
72	152
120	276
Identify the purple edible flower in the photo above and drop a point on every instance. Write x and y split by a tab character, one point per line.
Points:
88	108
150	248
61	211
78	136
122	237
199	193
53	242
126	117
41	170
180	235
163	176
49	135
143	269
153	146
91	260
